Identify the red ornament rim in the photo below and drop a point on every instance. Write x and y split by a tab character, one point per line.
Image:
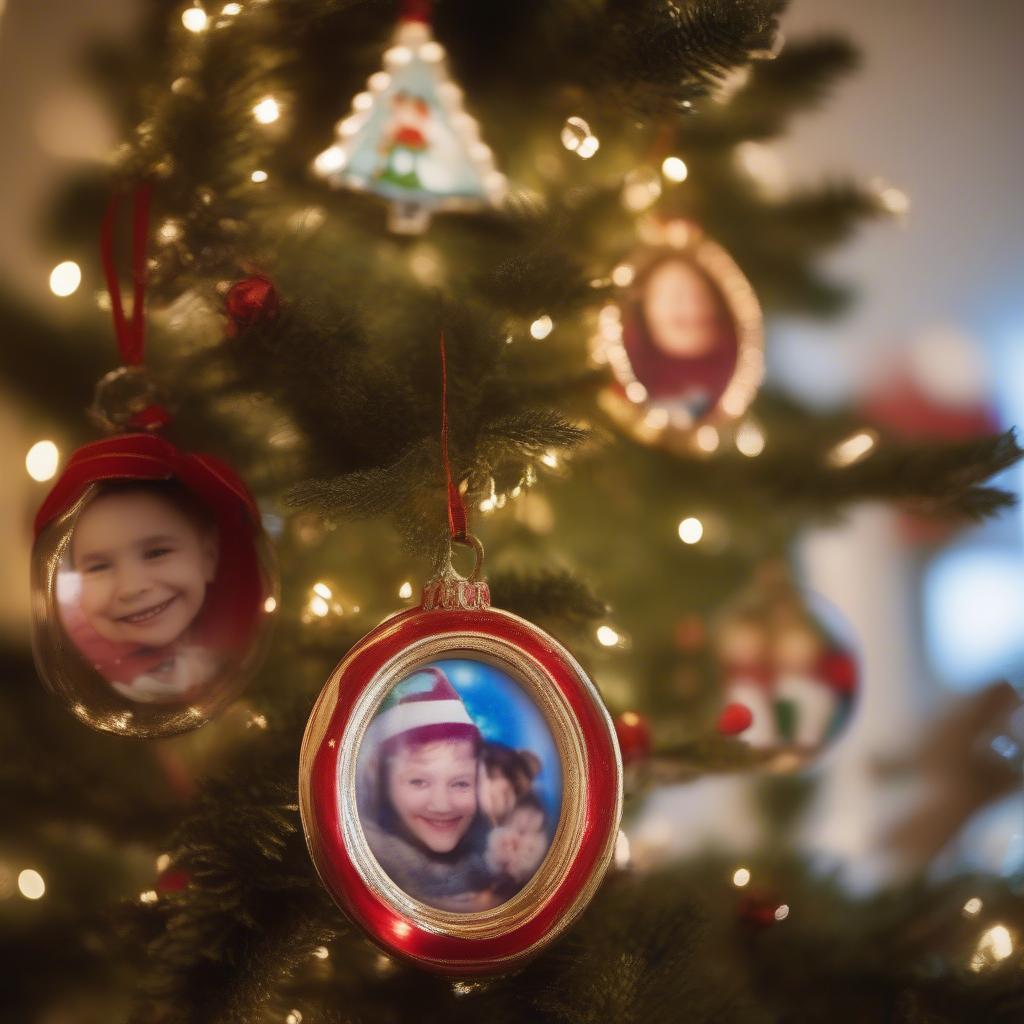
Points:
391	928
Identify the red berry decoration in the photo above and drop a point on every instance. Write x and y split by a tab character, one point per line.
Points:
634	735
734	719
251	301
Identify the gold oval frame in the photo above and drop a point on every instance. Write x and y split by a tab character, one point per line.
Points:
572	753
651	422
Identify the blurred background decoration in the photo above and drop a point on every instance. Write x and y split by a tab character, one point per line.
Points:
168	881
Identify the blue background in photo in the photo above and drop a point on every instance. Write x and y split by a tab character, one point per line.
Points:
505	714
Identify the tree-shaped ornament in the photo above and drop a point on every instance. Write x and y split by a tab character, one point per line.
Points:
408	138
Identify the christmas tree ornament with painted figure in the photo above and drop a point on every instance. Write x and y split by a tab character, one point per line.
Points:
682	335
786	665
408	138
153	582
460	782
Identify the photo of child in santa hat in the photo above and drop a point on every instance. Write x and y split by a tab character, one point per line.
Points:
451	813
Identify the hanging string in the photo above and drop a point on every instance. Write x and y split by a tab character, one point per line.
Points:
416	10
131	334
457	524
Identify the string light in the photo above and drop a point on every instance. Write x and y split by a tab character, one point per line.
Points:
318	606
323	590
293	1017
691	529
149	896
574	132
606	636
267	111
622	851
740	877
622	275
405	591
270	605
994	945
674	169
550	459
169	231
706	438
636	392
258	177
853	449
42	460
782	912
256	721
163	862
65	278
764	165
230	10
542	327
31	884
973	907
641	188
194	19
750	439
330	160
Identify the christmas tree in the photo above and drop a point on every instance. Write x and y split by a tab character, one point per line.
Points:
296	337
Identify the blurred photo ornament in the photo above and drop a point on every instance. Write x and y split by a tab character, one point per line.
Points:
408	138
683	336
786	669
460	783
152	577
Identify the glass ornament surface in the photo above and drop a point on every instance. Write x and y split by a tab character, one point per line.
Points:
790	658
151	575
409	140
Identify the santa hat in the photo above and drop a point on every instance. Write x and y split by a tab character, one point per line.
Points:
423	708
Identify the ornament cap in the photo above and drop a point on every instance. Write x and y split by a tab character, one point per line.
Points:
448	589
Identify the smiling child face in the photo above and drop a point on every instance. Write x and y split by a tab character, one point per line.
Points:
144	565
433	788
681	310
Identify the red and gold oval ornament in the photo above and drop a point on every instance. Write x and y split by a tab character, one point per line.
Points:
460	784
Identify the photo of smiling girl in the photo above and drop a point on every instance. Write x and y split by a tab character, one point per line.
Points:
134	585
436	802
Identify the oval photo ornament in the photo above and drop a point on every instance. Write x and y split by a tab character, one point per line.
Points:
460	784
684	337
151	576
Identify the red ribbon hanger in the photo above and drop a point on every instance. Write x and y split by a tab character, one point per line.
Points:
131	334
457	523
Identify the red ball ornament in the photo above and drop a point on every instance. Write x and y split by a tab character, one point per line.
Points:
251	301
634	735
734	719
173	880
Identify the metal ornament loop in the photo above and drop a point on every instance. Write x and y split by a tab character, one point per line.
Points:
449	589
122	397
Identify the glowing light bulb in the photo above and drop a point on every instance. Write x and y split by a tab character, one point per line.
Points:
706	438
691	529
267	111
318	606
163	862
31	884
674	169
42	460
606	636
194	19
994	945
636	392
149	896
321	952
431	52
973	907
362	101
230	10
323	590
588	147
622	275
542	327
293	1017
270	605
550	459
330	160
750	439
258	177
853	449
574	132
740	877
405	591
782	912
65	278
622	852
